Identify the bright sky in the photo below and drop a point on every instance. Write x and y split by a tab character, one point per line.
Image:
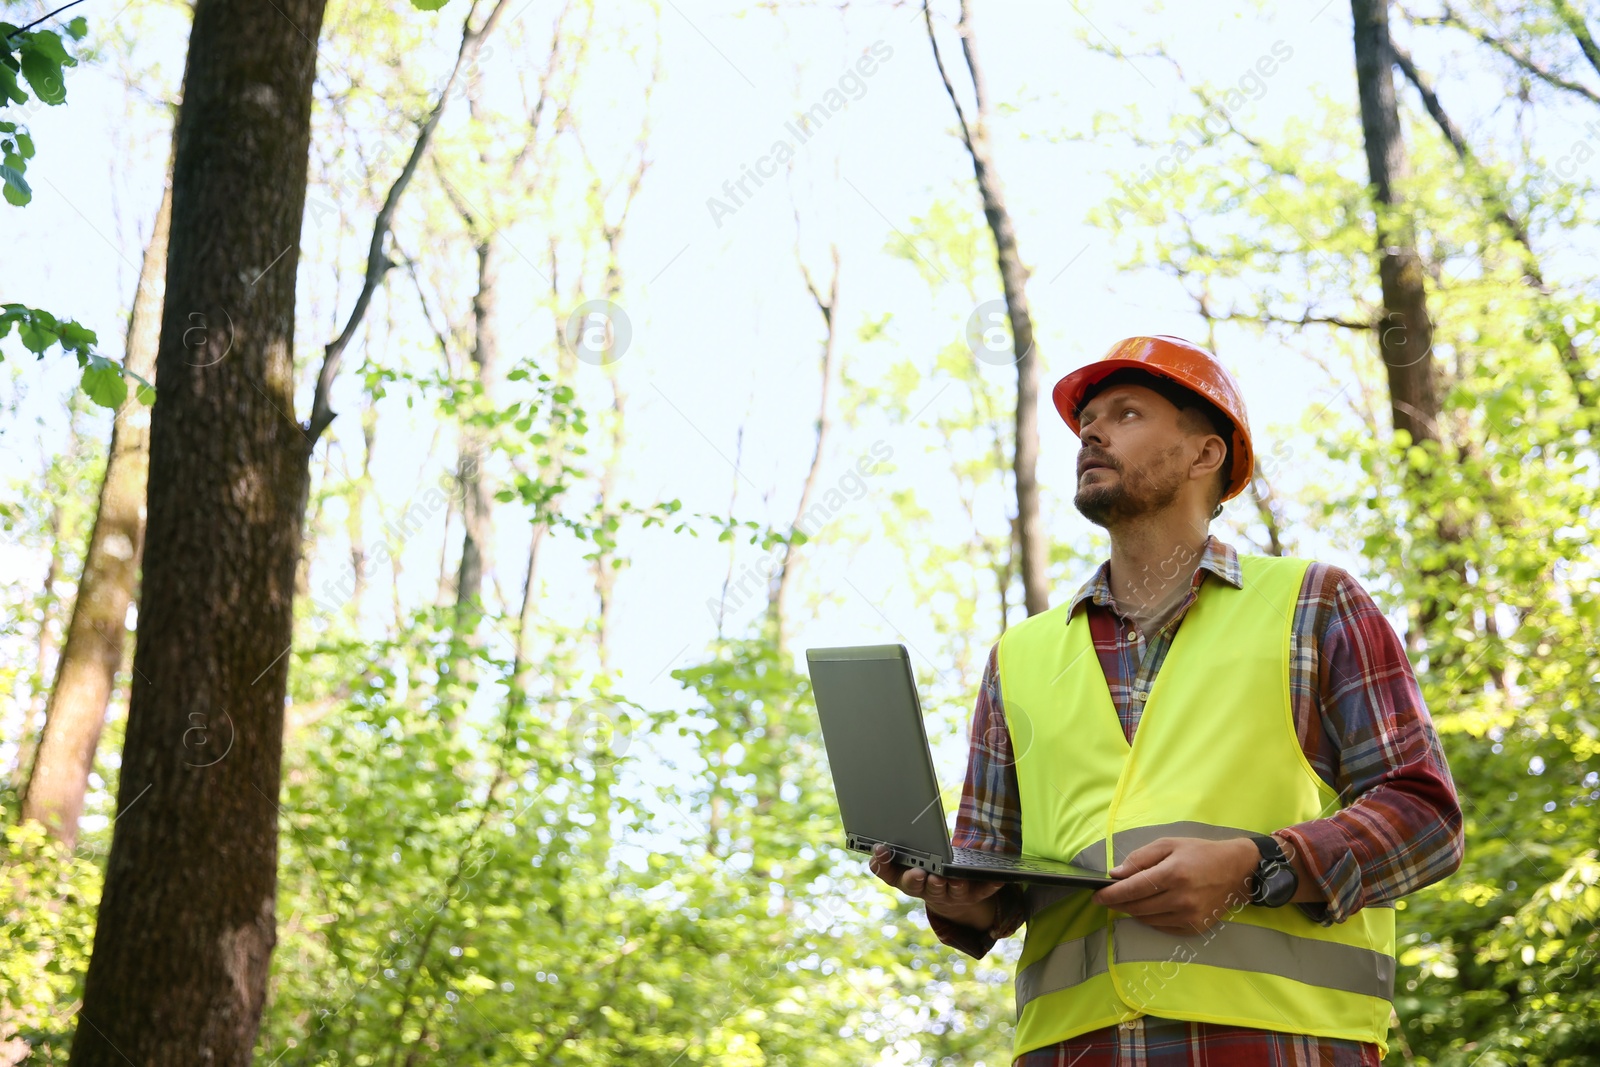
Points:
723	355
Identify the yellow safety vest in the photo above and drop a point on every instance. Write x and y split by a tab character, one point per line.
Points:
1216	756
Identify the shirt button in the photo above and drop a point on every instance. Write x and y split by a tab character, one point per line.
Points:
1130	1024
1133	635
1139	695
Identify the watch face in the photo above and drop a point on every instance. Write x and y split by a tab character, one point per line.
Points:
1278	886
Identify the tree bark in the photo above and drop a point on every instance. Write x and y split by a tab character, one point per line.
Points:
97	634
1405	334
477	498
1034	545
186	922
477	494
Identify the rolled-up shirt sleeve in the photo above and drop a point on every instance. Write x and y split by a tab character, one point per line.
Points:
990	816
1400	826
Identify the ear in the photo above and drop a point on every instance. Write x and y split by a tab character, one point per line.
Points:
1213	453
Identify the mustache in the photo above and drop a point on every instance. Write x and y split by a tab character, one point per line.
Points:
1085	458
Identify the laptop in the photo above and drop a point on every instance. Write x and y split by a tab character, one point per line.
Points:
883	771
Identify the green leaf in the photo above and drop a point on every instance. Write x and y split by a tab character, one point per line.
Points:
429	5
9	89
16	186
103	382
78	28
48	43
25	146
44	77
74	335
36	338
144	386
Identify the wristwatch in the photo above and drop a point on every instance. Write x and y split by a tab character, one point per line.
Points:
1273	882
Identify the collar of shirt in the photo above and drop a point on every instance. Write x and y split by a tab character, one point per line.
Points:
1217	557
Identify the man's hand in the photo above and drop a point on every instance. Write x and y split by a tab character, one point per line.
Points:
957	899
1182	885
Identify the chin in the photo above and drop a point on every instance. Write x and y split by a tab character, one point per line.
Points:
1096	505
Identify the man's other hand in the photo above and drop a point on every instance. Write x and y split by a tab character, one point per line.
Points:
1182	885
960	900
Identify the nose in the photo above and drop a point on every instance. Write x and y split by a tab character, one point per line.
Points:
1090	433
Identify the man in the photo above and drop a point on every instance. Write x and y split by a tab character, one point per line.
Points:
1239	740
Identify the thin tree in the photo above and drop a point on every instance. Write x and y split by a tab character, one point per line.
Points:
828	308
606	564
1033	545
96	636
489	249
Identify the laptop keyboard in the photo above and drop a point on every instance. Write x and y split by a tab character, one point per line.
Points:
999	861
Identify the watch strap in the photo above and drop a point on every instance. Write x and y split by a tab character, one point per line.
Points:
1269	848
1272	858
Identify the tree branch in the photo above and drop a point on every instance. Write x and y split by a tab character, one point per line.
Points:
1307	319
379	264
1580	31
427	313
938	61
1526	62
1557	332
1430	100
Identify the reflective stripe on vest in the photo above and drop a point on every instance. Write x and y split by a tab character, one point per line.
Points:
1215	756
1239	946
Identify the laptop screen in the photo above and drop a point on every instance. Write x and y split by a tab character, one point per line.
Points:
877	749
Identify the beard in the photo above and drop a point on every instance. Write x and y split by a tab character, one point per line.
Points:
1127	498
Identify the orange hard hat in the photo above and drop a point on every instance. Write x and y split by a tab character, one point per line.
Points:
1179	361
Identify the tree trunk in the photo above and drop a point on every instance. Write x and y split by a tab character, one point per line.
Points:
605	558
477	497
1405	334
96	635
355	523
1034	545
186	922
